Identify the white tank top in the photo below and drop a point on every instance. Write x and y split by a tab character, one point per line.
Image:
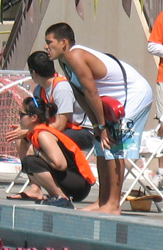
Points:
139	92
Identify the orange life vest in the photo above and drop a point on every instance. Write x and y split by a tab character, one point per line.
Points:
79	158
57	79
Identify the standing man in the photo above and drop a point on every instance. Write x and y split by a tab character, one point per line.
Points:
70	118
155	47
96	74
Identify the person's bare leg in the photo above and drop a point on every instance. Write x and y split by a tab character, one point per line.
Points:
158	178
111	172
34	191
46	181
95	205
160	133
160	160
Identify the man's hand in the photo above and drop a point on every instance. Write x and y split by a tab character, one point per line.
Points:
106	140
17	133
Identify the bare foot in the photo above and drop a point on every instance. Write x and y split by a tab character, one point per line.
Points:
28	195
36	194
108	210
91	207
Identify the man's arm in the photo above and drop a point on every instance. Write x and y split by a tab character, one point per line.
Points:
81	100
155	49
82	66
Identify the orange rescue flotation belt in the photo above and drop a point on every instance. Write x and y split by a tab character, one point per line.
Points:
79	157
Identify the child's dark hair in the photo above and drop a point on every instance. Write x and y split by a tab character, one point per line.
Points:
44	111
40	63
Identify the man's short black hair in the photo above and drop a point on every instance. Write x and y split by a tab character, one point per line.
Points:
61	31
40	63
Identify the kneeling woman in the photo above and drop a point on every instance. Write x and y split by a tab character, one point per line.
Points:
58	165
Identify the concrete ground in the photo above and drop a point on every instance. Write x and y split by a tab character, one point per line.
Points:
6	178
132	230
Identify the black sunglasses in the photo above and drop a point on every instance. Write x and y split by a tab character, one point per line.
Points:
22	114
